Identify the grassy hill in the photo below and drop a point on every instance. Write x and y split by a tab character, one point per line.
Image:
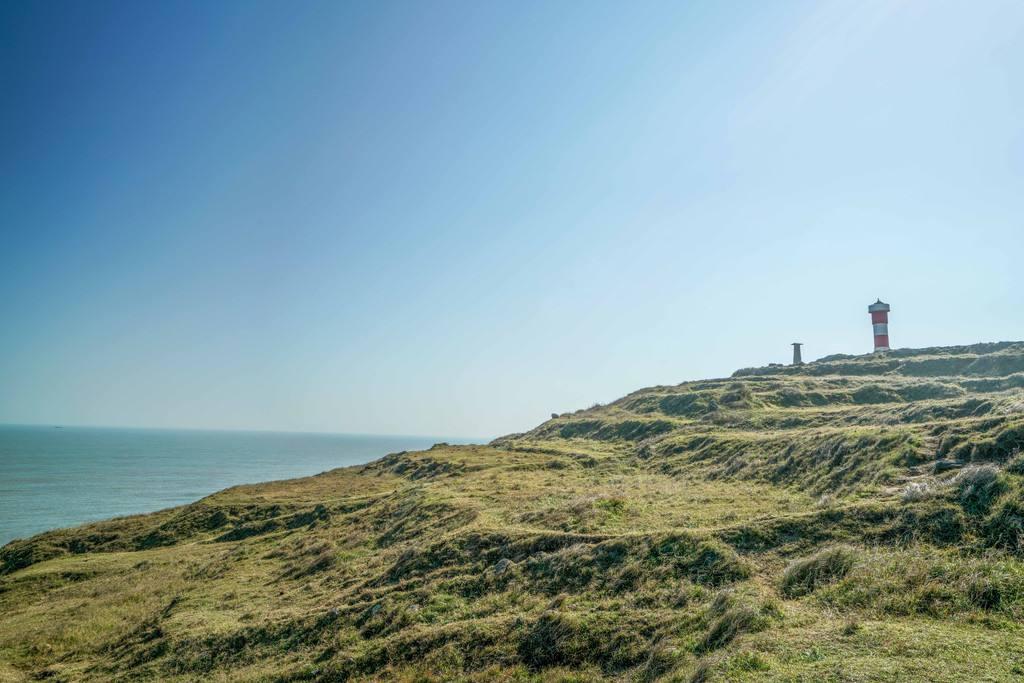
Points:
858	518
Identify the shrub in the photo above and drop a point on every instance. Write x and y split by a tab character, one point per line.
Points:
805	575
978	486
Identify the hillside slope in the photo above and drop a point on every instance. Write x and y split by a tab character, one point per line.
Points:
853	519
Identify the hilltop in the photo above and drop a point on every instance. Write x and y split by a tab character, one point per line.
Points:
856	518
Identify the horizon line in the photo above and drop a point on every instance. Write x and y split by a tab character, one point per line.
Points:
62	425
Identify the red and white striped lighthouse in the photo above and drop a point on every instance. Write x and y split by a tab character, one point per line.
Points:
880	321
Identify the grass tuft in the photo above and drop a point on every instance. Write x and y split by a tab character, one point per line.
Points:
918	490
804	576
734	621
978	487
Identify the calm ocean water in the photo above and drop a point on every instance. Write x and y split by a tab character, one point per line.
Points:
56	477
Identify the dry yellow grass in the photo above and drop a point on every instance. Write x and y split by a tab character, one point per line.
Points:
644	540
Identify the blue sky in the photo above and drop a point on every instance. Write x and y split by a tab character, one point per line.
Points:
457	217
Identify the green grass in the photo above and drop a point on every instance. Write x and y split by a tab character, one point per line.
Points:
827	566
784	524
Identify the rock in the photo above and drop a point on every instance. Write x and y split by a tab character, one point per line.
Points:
502	566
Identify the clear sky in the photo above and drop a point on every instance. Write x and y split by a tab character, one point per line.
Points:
457	217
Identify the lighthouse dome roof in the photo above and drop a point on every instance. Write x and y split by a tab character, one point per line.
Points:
879	305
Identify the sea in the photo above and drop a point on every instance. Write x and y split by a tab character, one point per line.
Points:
52	477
